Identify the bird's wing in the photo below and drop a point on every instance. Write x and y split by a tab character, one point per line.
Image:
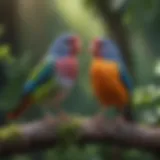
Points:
125	77
42	73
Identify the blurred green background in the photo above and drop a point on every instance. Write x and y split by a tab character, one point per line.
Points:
26	31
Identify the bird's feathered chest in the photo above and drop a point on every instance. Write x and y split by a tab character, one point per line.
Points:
106	82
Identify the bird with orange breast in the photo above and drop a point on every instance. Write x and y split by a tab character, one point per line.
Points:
110	79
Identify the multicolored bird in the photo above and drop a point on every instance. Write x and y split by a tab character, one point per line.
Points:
53	78
110	79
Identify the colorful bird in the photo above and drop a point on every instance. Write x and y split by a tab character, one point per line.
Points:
53	78
111	82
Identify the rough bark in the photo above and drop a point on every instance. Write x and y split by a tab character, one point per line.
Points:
49	133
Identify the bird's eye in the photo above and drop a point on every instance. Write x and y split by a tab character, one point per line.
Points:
73	39
65	41
100	44
68	40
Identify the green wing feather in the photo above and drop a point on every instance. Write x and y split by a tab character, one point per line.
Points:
46	89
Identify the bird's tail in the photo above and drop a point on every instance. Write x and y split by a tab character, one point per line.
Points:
24	104
128	113
128	117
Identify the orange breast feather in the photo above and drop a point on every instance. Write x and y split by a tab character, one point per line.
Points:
106	83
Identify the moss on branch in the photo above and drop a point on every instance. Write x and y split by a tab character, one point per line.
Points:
55	132
10	133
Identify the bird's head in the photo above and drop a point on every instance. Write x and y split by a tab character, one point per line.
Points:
66	45
105	49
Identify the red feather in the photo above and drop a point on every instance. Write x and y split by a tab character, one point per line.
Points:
21	108
68	67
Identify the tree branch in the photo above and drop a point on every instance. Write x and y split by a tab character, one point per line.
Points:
118	30
49	133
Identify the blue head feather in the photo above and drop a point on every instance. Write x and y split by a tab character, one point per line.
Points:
110	50
61	46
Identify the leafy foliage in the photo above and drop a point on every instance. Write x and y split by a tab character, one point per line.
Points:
142	19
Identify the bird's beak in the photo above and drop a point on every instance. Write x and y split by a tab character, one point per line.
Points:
94	46
77	43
